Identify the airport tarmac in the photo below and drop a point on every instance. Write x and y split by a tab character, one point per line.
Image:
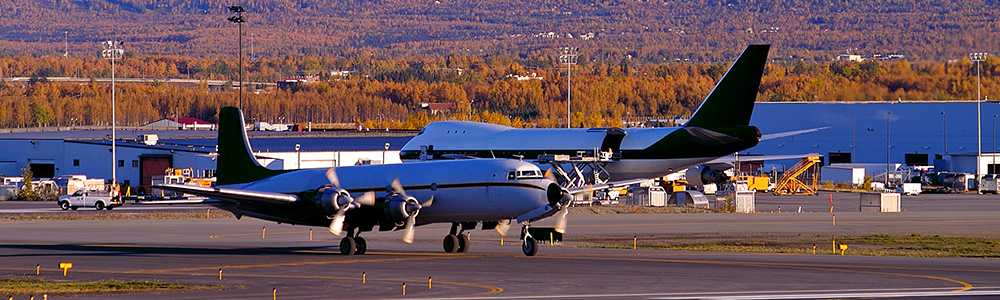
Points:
267	258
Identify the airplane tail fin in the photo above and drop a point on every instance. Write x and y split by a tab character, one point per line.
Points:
236	162
731	101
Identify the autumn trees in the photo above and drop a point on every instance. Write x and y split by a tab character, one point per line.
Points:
364	90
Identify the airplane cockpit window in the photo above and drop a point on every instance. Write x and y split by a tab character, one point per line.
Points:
529	174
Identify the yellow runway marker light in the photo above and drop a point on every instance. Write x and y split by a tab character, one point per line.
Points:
310	234
428	283
404	289
814	248
635	242
263	231
38	270
363	275
220	273
834	220
208	213
274	293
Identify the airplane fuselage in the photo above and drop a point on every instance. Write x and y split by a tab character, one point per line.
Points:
635	152
463	190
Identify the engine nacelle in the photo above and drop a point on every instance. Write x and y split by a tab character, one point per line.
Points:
332	200
399	208
703	174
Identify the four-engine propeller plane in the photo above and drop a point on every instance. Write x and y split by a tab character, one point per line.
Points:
719	127
465	193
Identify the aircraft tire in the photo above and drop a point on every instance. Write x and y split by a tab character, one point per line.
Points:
450	243
347	246
529	246
463	243
64	205
361	246
99	205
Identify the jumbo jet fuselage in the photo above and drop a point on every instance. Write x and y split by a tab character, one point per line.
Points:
719	127
635	152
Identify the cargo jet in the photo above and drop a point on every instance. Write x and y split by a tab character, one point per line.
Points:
719	127
464	193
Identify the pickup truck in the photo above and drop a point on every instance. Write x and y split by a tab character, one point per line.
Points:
86	198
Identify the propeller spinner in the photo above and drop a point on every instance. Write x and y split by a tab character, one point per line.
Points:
340	200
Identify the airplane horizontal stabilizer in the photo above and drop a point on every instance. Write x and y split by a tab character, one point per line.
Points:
234	195
772	136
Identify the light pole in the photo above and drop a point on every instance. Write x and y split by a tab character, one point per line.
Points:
887	148
568	57
239	20
113	51
945	132
66	42
993	152
978	57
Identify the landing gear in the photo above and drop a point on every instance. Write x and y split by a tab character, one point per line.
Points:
463	243
353	243
529	246
457	241
361	246
348	245
450	243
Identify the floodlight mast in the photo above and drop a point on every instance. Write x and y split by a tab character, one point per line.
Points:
239	20
113	51
978	58
569	58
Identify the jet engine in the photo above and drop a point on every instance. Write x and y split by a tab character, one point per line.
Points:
705	174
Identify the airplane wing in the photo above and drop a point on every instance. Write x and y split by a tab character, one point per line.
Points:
772	136
730	160
604	186
233	195
178	201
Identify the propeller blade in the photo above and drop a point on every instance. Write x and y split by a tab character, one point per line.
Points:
427	203
408	236
502	227
561	221
331	175
368	198
337	224
550	176
398	188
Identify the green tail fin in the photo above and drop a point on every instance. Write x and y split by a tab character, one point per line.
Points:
236	162
731	102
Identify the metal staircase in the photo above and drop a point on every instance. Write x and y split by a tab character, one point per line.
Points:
793	181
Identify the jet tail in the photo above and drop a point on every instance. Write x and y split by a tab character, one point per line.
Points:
731	101
236	162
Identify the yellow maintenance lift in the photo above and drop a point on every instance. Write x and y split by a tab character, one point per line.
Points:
793	181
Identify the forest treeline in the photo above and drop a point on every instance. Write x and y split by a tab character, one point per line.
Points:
498	89
605	30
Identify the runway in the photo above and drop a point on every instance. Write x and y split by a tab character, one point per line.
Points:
267	258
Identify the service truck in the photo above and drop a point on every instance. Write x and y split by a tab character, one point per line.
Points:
88	198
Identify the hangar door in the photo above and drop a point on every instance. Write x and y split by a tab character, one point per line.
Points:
153	165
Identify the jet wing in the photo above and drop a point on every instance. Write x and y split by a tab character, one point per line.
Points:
772	136
232	195
178	201
605	186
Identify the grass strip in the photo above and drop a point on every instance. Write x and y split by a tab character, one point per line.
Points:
32	286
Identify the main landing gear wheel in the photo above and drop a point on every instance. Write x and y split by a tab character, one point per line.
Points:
361	246
451	243
347	246
463	243
529	246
